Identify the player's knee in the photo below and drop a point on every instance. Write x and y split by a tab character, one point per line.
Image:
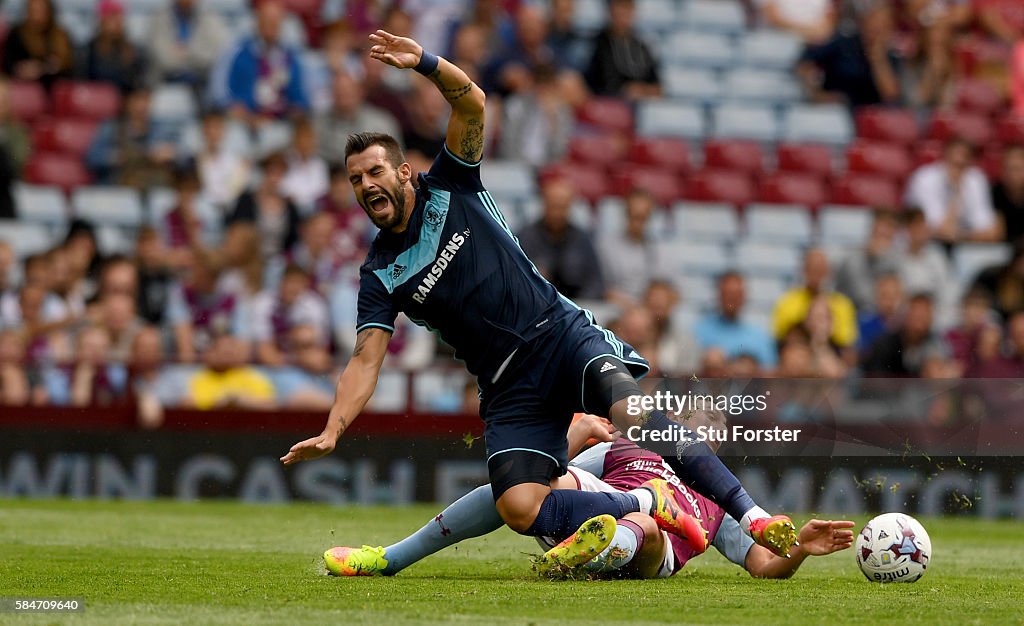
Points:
520	505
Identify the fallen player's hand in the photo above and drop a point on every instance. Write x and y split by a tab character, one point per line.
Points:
820	537
400	52
597	429
312	448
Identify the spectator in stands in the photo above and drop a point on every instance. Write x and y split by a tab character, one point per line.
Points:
223	172
199	309
424	129
993	360
278	313
261	77
976	316
183	225
827	358
14	150
813	21
121	323
636	326
1008	194
725	330
935	22
83	257
1004	283
469	51
510	71
351	232
154	385
242	268
955	196
859	67
317	253
307	177
538	123
119	276
792	308
7	264
15	388
154	274
859	272
795	357
110	57
38	49
275	216
564	40
350	114
635	257
906	350
925	268
184	40
622	64
675	347
1003	19
885	312
490	17
90	379
227	381
133	150
561	250
340	49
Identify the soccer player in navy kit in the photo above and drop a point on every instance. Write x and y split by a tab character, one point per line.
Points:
445	257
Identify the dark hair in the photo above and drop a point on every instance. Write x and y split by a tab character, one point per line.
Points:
728	275
958	141
337	170
913	215
359	142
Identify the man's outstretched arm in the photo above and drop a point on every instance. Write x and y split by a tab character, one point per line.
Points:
817	538
465	137
355	386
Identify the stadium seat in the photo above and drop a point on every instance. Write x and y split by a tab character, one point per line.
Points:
670	154
581	215
81	26
41	204
159	202
273	137
946	125
392	394
696	84
597	149
927	152
763	291
108	206
606	113
699	49
865	190
695	221
590	183
793	188
720	186
90	100
1011	129
665	185
971	258
656	16
508	178
818	123
764	259
137	27
64	135
770	49
840	226
697	291
610	216
25	238
741	121
173	103
28	101
778	223
978	96
761	86
114	240
885	159
47	168
719	16
669	119
736	154
887	124
589	16
708	259
807	158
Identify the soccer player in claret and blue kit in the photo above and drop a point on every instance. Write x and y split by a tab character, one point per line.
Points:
446	258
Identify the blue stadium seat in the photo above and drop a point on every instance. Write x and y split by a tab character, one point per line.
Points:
669	119
691	83
392	392
173	103
705	221
764	259
656	16
611	216
699	49
686	316
438	391
108	206
971	258
709	259
581	215
159	202
41	204
818	123
763	291
589	16
80	26
761	86
272	137
844	225
780	223
745	121
25	238
770	49
233	7
698	290
721	16
114	240
508	179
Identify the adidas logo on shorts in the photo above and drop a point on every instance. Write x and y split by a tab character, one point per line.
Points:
606	367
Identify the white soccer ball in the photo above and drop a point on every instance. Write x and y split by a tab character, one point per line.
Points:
893	548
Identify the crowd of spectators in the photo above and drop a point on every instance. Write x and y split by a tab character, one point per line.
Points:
244	293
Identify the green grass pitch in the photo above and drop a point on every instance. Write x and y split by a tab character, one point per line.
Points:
226	563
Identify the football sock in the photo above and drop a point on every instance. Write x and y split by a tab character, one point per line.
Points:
564	510
628	540
644	498
751	515
472	515
696	464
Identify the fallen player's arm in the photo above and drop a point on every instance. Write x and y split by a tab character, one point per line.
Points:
817	538
353	391
588	427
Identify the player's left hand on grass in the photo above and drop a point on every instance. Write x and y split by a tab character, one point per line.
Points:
401	52
820	537
312	448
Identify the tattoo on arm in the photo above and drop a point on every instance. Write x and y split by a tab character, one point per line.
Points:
361	339
451	94
472	144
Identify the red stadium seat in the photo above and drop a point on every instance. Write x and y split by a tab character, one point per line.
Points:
927	152
63	135
663	152
590	183
665	185
978	96
598	149
62	170
1011	129
946	125
791	188
607	113
887	159
95	101
866	190
887	124
28	101
720	186
735	154
808	158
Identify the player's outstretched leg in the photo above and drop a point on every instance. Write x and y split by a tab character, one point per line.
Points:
671	517
777	533
589	541
365	561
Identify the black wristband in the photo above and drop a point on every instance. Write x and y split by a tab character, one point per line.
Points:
428	63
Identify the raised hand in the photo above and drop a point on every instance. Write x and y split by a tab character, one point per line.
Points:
401	52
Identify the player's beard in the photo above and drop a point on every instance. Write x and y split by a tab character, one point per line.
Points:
396	197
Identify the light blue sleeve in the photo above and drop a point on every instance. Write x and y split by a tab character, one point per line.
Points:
733	543
57	385
592	459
